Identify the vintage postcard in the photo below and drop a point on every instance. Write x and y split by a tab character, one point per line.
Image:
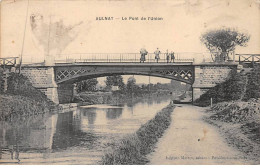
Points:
130	82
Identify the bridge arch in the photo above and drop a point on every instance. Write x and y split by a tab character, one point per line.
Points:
76	78
68	75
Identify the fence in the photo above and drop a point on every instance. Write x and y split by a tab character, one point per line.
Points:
248	58
186	57
120	57
8	61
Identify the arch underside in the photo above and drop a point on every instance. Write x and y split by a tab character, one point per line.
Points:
72	76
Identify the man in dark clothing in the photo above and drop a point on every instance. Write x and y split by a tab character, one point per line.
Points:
172	56
143	53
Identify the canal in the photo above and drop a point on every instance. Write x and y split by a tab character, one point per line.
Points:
80	136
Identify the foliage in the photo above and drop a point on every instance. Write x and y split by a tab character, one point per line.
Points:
131	85
20	85
236	111
115	80
21	98
226	91
130	90
253	84
1	80
239	86
87	85
16	105
224	41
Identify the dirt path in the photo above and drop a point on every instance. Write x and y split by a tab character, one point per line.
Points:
190	140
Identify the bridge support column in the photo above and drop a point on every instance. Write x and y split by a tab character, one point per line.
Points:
208	76
197	92
66	93
42	78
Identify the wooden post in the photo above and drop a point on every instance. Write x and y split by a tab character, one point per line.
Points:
253	61
211	102
4	62
234	56
192	99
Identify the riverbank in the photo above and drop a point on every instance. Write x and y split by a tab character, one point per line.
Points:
133	148
239	123
22	99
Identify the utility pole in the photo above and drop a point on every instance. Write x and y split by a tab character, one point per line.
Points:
25	25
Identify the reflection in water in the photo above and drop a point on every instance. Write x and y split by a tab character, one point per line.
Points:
86	130
68	133
24	134
113	113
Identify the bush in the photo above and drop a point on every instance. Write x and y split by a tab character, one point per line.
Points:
21	98
253	84
20	85
238	87
236	112
15	105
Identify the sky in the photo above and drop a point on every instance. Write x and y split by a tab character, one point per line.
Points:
183	23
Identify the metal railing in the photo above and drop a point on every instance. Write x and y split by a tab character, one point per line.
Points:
180	57
119	58
8	61
248	58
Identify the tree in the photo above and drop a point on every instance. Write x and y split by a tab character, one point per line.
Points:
115	80
131	84
222	41
87	85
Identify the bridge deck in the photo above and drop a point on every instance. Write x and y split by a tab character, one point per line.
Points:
122	64
132	64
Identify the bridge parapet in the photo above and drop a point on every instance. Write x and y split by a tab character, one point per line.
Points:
8	62
120	57
250	59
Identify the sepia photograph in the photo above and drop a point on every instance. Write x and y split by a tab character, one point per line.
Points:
129	82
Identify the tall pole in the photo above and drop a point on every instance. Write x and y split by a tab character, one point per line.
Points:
149	85
48	45
25	25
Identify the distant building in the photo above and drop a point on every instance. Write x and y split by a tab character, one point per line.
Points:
115	88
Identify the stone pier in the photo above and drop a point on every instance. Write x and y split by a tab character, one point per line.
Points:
66	92
42	78
208	76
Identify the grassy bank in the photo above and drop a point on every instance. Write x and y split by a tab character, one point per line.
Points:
21	98
134	148
239	122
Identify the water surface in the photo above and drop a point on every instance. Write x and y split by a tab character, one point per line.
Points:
80	136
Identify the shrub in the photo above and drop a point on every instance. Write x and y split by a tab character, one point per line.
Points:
238	86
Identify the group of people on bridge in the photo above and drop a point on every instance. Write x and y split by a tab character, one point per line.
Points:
169	56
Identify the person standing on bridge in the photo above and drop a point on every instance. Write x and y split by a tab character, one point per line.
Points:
157	54
143	53
167	56
172	56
